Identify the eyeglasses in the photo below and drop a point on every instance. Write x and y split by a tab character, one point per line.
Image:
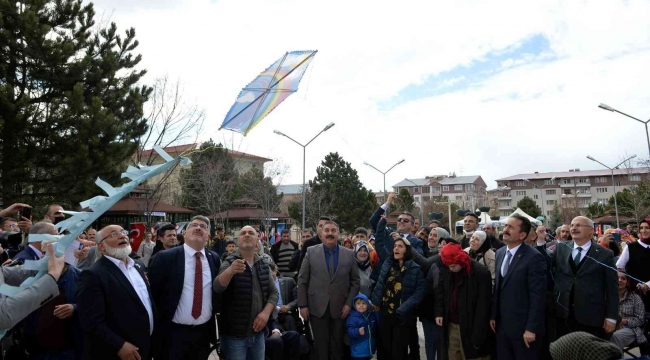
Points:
198	225
116	234
404	220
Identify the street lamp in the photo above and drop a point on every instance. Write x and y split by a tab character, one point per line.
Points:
618	224
647	136
421	201
384	173
304	152
540	190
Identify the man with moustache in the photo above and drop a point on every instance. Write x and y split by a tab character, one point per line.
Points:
519	296
181	283
327	283
313	240
114	302
249	298
586	291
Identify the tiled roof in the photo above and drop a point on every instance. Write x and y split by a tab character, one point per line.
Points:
458	180
410	182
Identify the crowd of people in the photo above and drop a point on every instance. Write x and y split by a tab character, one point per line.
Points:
526	293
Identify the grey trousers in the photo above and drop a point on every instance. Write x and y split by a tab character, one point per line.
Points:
328	336
623	337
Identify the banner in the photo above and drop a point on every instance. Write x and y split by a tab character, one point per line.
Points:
136	234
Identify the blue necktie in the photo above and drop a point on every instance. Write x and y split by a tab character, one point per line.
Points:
507	264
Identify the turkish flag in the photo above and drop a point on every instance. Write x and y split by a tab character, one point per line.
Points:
137	234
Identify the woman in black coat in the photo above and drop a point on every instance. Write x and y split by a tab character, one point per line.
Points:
463	304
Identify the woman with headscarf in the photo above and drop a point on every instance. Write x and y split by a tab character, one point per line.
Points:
480	250
635	259
399	289
462	306
362	252
347	243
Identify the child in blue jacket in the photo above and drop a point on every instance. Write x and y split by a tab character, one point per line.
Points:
362	328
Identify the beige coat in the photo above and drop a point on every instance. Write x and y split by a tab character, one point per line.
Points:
489	260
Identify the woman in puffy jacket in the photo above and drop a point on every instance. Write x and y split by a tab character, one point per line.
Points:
399	289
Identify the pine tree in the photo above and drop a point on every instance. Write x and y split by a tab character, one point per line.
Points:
70	105
404	201
350	202
529	206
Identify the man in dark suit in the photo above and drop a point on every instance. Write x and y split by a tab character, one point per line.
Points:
586	291
181	283
313	240
33	250
470	224
114	302
327	283
287	307
405	224
519	295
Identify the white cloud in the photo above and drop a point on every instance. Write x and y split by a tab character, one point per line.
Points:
532	116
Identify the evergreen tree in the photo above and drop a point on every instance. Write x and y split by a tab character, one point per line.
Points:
350	202
70	106
404	201
555	219
529	206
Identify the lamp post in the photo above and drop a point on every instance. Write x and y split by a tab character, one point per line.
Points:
647	136
384	173
421	202
540	190
304	153
448	202
618	224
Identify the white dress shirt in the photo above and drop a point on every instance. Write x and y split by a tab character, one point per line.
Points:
37	251
138	284
583	253
625	257
183	313
513	251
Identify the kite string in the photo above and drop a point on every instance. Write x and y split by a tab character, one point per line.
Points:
311	70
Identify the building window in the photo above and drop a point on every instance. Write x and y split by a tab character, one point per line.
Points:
535	197
601	180
551	202
566	181
521	193
617	183
520	183
416	190
445	188
458	187
635	177
548	212
601	190
459	198
549	182
436	189
583	180
550	192
567	191
602	201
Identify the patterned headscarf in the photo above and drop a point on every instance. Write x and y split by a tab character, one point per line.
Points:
453	254
582	345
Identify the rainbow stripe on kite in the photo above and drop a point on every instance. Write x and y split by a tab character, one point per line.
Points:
267	91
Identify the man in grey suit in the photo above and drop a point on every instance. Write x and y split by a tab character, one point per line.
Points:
327	283
588	297
15	308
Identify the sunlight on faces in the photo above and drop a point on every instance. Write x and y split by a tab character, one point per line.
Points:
433	238
512	231
330	234
247	239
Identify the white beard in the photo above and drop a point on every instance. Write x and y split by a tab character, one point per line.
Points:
118	253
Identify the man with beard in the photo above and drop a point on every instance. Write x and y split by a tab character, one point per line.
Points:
249	298
54	214
470	224
490	231
114	302
327	283
519	296
181	283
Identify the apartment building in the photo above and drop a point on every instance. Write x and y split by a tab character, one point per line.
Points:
582	188
466	191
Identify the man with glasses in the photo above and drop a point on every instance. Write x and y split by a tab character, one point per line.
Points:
588	291
114	301
181	283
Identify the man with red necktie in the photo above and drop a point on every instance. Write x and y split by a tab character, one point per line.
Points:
181	284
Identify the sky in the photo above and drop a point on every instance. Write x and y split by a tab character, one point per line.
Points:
490	88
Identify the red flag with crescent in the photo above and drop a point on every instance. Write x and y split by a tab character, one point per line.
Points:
136	235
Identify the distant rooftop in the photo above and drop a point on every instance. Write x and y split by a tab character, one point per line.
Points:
445	180
574	173
184	149
410	182
291	189
459	180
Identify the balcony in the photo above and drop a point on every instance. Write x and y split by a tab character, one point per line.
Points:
581	194
563	185
505	197
583	206
579	184
505	207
